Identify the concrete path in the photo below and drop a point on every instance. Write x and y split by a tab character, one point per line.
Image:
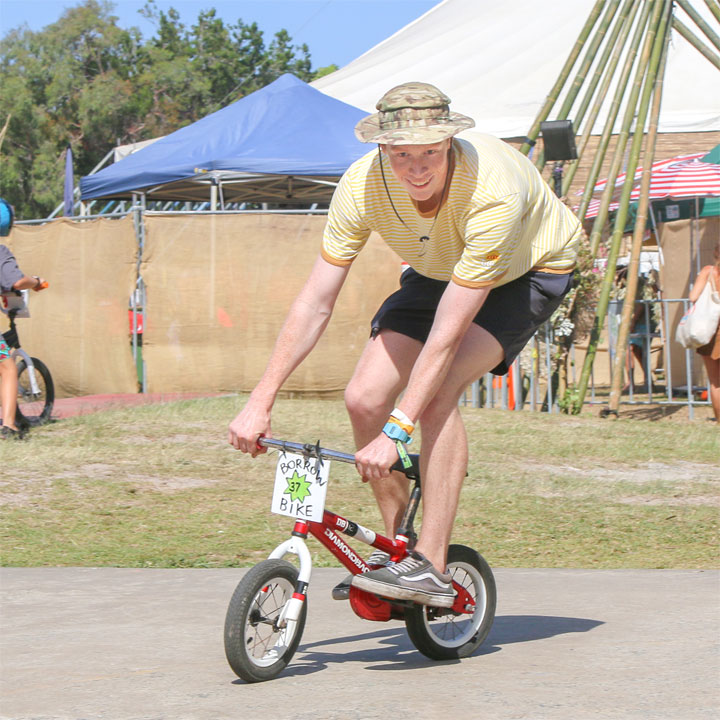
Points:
124	644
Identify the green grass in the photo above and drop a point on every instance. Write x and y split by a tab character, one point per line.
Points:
158	486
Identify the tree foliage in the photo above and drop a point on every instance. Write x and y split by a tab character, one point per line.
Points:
87	83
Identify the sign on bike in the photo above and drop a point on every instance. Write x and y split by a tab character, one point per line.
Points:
300	486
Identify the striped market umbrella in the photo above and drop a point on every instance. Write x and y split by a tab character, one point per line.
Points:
685	176
656	166
685	179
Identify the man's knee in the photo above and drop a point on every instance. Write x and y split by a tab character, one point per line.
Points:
362	402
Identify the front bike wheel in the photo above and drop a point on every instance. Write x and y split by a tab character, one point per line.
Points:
256	648
34	408
443	633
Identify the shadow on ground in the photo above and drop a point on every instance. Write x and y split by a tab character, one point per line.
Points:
394	650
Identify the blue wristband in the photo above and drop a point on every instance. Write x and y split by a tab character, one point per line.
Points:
395	432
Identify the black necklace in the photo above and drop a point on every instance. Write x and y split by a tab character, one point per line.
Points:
423	238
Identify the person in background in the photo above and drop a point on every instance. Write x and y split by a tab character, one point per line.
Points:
639	342
710	352
11	278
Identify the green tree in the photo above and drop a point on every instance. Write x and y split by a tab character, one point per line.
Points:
86	99
85	82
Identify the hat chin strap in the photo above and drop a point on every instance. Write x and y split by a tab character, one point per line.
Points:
448	174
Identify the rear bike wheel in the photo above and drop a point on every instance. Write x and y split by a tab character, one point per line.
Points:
256	648
443	633
34	408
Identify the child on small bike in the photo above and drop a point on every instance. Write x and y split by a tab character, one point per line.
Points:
11	278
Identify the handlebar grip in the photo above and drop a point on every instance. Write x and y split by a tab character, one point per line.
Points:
412	472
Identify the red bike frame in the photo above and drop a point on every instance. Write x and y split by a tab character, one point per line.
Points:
364	604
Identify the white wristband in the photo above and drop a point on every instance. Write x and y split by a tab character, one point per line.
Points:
402	417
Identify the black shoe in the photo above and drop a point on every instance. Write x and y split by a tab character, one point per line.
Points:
342	590
413	578
7	433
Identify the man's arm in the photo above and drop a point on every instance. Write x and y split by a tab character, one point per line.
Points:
457	308
303	327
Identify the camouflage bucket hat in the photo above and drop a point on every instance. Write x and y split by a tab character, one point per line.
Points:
413	113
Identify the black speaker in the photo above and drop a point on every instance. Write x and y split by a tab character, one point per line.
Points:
559	140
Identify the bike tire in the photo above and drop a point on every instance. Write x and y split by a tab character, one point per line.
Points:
442	634
34	409
255	649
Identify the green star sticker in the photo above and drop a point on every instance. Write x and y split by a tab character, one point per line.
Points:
298	487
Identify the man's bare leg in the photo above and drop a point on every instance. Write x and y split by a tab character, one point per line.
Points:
444	454
380	376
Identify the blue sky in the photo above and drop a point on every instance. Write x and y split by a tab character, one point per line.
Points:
336	31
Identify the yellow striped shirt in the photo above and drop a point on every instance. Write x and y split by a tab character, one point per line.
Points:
500	218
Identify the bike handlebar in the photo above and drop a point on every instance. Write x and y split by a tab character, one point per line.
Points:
321	453
307	449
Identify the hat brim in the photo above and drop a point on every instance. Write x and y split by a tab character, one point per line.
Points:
368	130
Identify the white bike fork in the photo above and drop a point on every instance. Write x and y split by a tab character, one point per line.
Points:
294	546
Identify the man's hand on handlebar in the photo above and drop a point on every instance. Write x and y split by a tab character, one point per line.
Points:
374	461
250	424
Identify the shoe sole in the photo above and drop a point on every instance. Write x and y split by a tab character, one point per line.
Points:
397	592
341	593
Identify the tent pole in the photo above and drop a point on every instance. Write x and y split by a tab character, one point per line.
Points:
138	210
699	46
581	74
617	44
601	151
641	220
564	74
648	65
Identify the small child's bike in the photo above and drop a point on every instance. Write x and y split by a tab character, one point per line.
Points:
267	612
36	391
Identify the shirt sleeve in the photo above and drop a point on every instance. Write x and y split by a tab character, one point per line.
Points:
10	273
346	231
492	234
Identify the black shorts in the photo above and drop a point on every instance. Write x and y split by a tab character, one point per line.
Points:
511	313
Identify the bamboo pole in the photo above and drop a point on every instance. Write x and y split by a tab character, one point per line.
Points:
639	231
699	46
714	8
700	22
581	74
579	115
616	44
601	151
562	78
645	67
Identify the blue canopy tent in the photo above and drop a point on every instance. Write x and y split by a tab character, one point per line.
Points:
285	143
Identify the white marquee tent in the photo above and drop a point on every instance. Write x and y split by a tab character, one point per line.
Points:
498	61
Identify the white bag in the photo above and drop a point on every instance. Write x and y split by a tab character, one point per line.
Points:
700	322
